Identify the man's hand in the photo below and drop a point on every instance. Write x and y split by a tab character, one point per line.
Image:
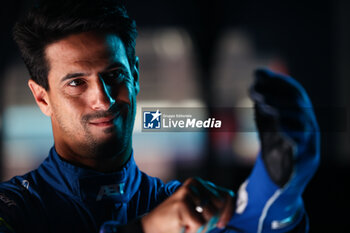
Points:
197	206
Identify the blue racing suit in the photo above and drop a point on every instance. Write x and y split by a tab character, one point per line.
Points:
60	197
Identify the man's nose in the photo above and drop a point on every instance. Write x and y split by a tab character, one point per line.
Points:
102	96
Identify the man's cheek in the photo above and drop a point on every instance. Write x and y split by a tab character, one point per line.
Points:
125	94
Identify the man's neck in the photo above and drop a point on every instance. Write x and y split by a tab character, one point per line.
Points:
101	163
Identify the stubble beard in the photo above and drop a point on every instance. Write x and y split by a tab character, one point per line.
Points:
89	146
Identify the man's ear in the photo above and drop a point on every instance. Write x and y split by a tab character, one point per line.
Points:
40	96
135	74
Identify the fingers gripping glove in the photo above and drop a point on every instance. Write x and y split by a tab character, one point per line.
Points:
270	199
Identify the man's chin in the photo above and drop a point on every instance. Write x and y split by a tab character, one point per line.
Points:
110	141
107	137
101	134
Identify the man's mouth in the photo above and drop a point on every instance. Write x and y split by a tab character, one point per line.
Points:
103	121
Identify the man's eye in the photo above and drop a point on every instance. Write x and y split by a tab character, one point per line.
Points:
76	82
114	77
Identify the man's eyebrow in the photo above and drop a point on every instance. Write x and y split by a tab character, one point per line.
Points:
114	65
71	75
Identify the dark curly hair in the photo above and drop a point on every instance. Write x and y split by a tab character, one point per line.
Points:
50	21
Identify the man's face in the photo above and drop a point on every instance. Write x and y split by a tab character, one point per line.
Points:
91	97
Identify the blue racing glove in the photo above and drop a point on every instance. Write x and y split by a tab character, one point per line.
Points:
287	126
270	200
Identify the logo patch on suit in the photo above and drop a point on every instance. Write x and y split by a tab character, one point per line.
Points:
110	190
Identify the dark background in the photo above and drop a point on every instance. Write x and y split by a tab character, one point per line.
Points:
313	36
